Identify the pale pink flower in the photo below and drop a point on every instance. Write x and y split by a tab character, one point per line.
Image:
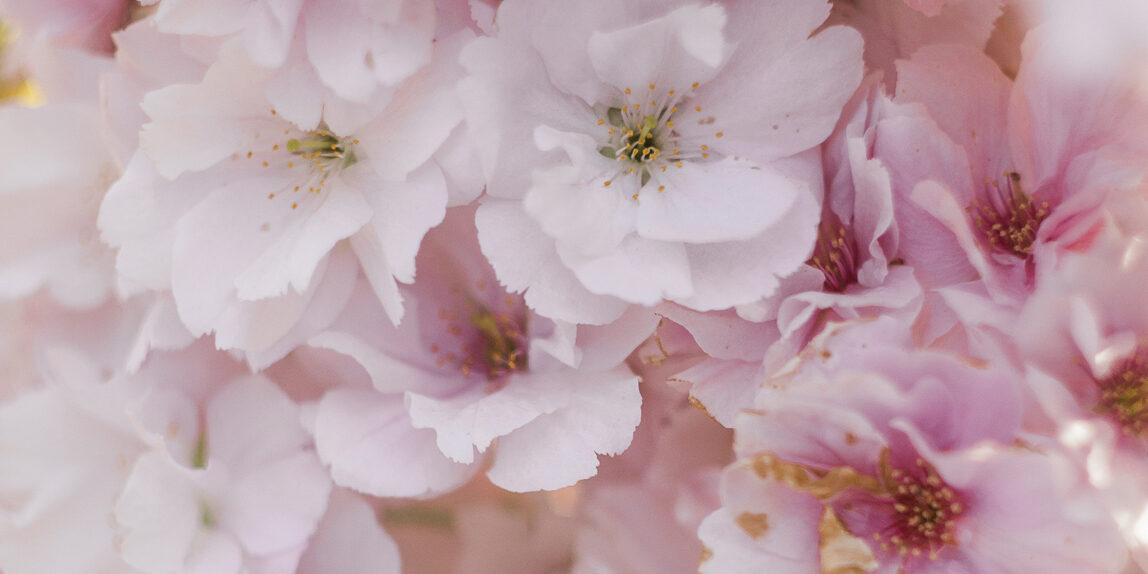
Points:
64	464
245	497
618	174
471	364
68	446
242	215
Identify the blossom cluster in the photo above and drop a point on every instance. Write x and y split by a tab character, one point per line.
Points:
594	286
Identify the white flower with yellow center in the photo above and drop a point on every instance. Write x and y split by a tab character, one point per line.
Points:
243	214
636	154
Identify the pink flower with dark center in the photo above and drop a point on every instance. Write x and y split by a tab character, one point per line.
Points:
871	454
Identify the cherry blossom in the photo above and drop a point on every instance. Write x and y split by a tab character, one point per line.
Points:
625	149
904	462
472	364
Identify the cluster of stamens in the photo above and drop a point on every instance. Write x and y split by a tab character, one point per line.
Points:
925	513
835	255
642	133
493	343
319	152
1124	396
1009	219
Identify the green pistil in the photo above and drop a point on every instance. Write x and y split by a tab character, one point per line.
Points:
321	145
206	516
501	350
199	454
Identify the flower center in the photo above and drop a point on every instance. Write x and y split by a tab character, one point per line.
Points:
503	343
1124	397
835	255
327	152
491	337
925	513
641	134
1009	219
315	155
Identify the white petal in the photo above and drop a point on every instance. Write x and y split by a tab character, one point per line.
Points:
773	109
677	50
350	540
475	418
559	449
368	441
727	200
278	505
641	271
525	258
160	509
244	441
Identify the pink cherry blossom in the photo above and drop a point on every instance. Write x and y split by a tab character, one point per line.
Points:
898	462
1023	168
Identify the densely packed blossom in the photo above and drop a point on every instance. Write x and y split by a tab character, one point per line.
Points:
593	287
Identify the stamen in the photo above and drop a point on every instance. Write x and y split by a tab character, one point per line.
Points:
925	509
1009	220
835	254
1124	396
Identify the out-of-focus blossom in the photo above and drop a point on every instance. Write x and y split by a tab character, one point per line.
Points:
84	24
244	496
349	49
1084	336
55	176
642	513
